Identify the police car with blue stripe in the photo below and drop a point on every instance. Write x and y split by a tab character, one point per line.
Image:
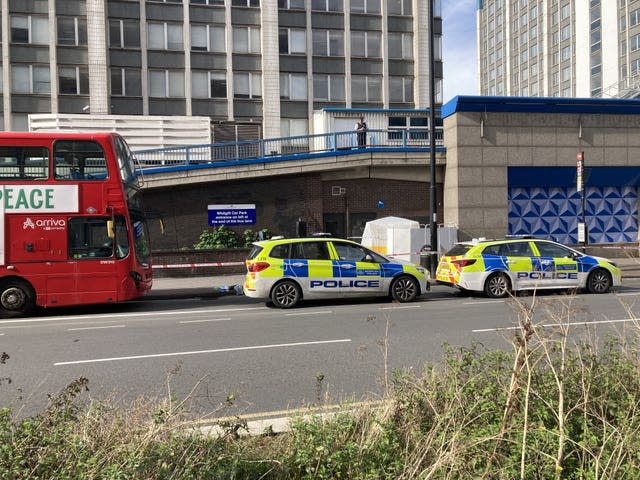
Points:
285	271
498	267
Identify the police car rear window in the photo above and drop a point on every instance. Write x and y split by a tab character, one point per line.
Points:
458	250
255	251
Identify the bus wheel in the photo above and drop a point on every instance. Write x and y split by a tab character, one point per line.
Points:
16	298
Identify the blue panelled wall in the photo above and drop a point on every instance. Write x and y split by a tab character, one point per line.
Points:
544	201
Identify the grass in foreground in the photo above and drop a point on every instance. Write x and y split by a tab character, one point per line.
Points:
548	408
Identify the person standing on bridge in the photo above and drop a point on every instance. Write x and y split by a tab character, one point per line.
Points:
361	129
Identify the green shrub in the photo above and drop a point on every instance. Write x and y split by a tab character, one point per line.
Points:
224	237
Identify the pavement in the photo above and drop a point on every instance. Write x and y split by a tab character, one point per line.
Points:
220	285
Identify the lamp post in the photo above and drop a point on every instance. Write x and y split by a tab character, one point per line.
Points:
432	145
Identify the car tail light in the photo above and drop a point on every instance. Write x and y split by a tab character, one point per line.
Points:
464	262
257	266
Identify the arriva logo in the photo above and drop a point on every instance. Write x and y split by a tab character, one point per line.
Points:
51	223
45	223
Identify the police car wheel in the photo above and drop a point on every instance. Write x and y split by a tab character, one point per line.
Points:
16	298
404	289
286	294
497	285
599	281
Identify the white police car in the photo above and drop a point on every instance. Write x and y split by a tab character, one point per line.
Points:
285	271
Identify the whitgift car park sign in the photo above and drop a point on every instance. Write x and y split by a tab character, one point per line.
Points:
35	199
230	215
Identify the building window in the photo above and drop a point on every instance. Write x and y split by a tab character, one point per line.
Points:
565	11
126	82
366	88
165	36
246	39
365	6
293	86
634	18
29	29
124	34
329	88
365	44
327	5
207	2
245	3
247	85
401	89
291	4
293	41
635	67
293	127
399	7
72	31
73	80
415	128
566	74
30	79
328	43
566	52
209	84
166	83
208	38
565	33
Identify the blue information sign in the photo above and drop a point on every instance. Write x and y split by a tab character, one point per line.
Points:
232	215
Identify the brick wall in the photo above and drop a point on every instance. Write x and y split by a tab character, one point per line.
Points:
280	202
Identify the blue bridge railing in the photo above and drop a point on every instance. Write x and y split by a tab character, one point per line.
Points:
219	154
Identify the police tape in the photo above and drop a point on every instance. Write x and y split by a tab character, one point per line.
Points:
198	265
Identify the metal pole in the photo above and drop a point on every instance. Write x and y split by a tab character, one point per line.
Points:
432	140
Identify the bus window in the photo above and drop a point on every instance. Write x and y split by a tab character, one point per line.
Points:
122	238
89	238
140	239
79	160
24	163
126	161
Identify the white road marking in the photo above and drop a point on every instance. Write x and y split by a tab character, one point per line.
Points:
206	320
320	312
95	328
627	294
1	334
481	302
554	325
404	307
197	352
130	315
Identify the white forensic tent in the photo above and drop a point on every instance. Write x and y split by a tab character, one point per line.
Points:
395	237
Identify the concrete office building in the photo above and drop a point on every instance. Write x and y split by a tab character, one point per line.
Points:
257	68
559	48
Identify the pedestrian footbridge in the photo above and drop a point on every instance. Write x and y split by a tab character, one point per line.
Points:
391	153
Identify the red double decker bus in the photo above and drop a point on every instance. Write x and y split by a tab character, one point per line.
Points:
72	226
